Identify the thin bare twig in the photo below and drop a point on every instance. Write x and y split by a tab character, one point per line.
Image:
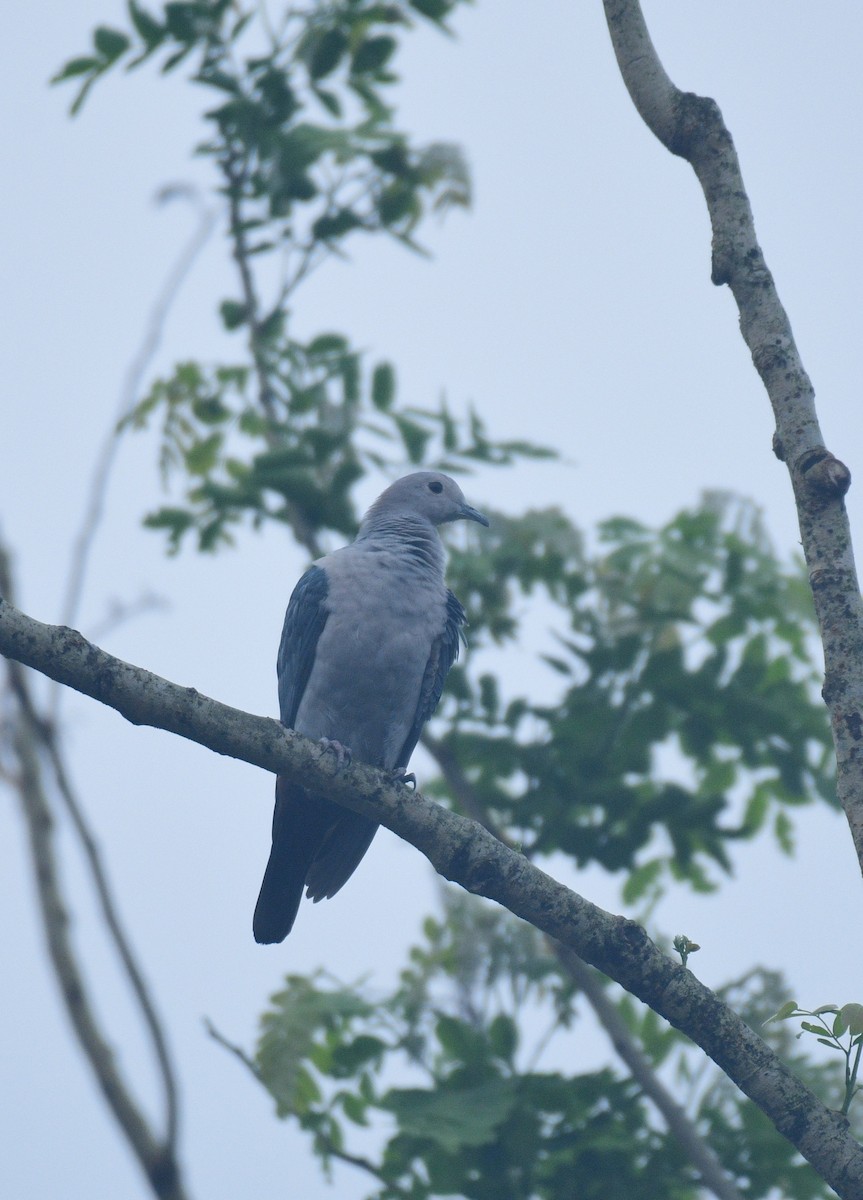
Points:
31	737
129	393
121	941
44	730
233	1048
329	1146
156	1158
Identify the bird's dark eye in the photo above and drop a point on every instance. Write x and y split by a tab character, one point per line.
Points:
436	487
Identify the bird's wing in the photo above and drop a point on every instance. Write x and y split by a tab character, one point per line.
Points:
304	622
444	652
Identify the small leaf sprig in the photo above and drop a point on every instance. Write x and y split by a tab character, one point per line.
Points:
844	1033
684	947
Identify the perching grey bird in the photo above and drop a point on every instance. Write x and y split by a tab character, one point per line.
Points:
370	634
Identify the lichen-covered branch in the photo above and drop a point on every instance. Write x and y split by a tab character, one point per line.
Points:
461	850
692	127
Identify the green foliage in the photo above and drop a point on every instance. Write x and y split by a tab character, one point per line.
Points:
306	154
688	717
477	1123
473	1114
844	1034
296	461
300	128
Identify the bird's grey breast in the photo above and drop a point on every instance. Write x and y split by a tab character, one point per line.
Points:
386	611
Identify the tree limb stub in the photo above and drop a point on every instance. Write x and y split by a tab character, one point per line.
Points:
692	127
460	850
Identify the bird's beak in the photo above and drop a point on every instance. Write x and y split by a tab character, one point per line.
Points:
471	514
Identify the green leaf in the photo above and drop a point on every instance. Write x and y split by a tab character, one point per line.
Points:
453	1118
503	1037
415	438
182	21
396	202
394	159
110	43
435	10
210	410
326	344
327	53
355	1108
330	101
201	456
147	27
335	225
234	313
784	831
788	1009
383	386
76	66
174	521
349	1057
372	54
852	1015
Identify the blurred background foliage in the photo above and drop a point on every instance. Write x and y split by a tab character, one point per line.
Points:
680	713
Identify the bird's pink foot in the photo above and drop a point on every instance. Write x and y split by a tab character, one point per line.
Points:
342	753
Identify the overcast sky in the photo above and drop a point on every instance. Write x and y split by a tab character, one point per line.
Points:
572	306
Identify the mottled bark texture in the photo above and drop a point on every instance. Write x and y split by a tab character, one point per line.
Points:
460	850
692	127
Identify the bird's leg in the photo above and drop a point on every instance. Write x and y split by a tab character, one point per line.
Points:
402	775
342	753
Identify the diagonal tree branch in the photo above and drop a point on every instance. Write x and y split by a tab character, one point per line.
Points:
462	851
692	127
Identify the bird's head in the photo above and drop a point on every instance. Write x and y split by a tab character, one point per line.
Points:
427	494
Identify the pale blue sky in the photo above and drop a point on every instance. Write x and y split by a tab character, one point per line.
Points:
573	305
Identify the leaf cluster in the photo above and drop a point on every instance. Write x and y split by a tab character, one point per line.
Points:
327	423
306	153
688	717
476	1123
440	1069
302	130
844	1033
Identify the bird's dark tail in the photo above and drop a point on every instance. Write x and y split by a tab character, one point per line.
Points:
300	824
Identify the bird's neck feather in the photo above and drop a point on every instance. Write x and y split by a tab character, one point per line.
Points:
415	538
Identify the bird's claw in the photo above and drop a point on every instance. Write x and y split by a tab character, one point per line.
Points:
342	753
402	775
